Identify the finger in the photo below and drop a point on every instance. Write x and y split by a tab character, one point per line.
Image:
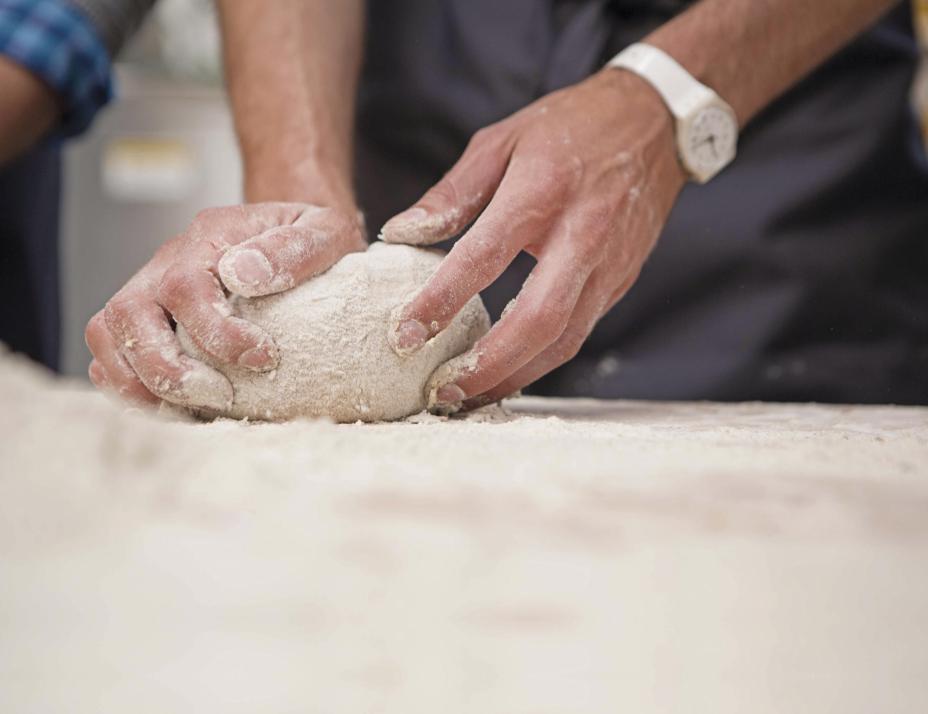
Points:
455	201
285	256
475	262
144	337
101	381
109	370
537	319
590	308
230	225
97	375
191	292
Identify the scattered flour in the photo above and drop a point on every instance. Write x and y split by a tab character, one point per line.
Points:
560	556
331	334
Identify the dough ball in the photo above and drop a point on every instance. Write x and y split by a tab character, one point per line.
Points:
331	334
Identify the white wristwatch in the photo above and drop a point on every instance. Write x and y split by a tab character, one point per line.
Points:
707	129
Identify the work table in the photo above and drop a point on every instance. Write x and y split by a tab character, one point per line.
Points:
551	556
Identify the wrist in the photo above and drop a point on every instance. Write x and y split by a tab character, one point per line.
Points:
639	108
712	52
317	182
677	40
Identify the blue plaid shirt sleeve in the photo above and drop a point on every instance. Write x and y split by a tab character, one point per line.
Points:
59	44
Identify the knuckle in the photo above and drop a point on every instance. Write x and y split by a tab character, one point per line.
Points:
226	341
633	274
586	250
551	181
619	291
173	286
547	319
354	236
568	346
95	373
482	137
445	192
480	256
95	331
599	215
345	222
159	376
117	312
277	208
569	172
435	302
546	181
492	139
206	216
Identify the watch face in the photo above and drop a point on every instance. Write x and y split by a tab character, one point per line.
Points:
711	141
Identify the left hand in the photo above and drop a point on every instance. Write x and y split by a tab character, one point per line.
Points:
249	250
582	180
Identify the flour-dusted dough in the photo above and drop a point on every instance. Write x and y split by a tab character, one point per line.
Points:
331	333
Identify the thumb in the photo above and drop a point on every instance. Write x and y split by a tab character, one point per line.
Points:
455	201
285	256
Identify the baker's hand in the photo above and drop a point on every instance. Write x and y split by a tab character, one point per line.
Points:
582	180
249	250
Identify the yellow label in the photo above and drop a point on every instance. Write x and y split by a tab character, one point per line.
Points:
148	169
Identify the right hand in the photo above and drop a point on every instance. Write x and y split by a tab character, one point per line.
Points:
250	250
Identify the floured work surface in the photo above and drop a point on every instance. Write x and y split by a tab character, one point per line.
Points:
571	557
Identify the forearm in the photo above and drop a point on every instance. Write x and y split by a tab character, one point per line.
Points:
292	70
751	51
30	109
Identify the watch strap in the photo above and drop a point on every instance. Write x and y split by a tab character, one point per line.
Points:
681	92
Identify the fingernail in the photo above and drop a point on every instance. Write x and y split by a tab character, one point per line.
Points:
410	215
249	268
259	359
409	337
405	227
448	395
